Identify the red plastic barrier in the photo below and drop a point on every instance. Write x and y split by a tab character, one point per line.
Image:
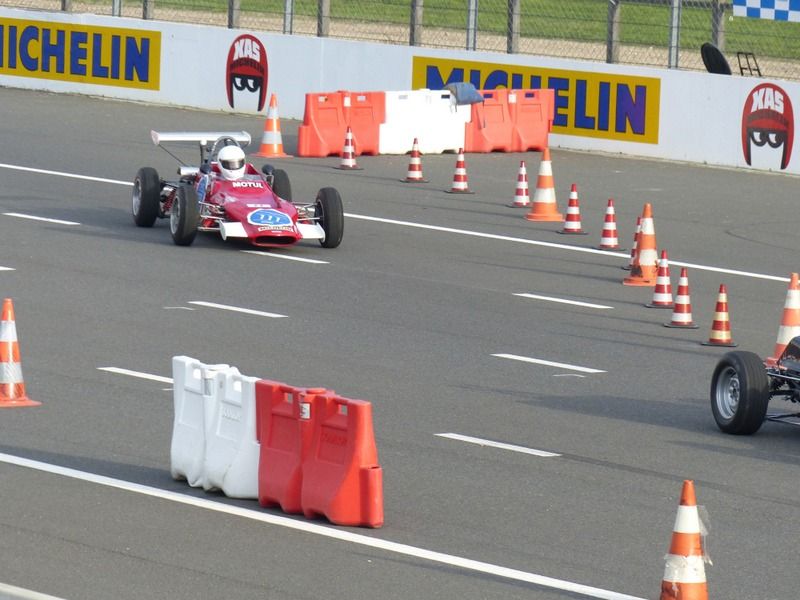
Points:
364	112
532	113
341	475
324	125
491	127
284	433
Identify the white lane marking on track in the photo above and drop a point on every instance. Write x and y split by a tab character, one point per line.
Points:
35	218
178	308
501	445
548	363
7	269
287	257
491	236
562	300
138	374
248	311
13	592
316	529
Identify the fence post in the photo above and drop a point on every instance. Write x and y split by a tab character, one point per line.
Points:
612	34
472	24
66	5
415	27
288	16
512	42
116	8
718	24
234	7
324	18
147	9
674	33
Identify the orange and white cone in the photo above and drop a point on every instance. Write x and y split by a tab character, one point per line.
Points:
790	321
572	222
662	293
12	387
348	160
682	312
414	173
460	184
635	244
609	239
544	206
522	196
645	268
271	141
721	327
685	571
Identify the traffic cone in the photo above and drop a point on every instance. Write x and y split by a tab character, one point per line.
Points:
522	197
271	141
685	571
645	269
414	174
609	239
637	231
721	327
348	160
682	313
572	222
460	184
662	293
12	387
544	196
790	321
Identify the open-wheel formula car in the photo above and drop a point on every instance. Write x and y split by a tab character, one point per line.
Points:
227	195
742	386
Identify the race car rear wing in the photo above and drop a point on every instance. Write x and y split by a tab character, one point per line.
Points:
203	137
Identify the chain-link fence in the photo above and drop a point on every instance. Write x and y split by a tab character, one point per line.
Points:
663	33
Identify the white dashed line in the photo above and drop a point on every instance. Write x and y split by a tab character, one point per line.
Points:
313	261
548	363
248	311
562	300
35	218
500	445
137	374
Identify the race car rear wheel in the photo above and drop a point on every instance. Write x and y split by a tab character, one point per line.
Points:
184	216
145	197
739	393
330	216
281	184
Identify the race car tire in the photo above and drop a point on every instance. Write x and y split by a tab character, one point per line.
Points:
145	197
184	216
739	393
281	185
330	216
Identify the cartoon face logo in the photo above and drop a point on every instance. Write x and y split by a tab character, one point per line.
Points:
247	73
767	126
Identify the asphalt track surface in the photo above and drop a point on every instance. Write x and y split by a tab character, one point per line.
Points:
409	317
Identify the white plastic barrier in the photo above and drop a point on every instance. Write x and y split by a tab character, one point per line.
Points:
431	116
232	449
195	388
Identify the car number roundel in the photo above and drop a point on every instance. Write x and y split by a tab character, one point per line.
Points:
269	216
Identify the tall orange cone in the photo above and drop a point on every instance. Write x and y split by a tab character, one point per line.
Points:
685	571
721	327
414	173
271	141
662	293
645	269
12	387
460	184
635	244
544	196
348	160
682	312
609	239
522	197
790	322
572	222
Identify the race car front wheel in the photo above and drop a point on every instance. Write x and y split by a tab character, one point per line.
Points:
739	393
330	215
184	215
281	185
145	197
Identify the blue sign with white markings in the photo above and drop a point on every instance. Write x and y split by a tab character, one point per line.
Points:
269	216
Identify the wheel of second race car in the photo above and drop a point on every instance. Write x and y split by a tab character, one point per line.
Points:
145	197
184	215
281	184
739	393
330	215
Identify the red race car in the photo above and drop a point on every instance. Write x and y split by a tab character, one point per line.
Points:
227	195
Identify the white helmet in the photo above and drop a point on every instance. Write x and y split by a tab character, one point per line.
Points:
231	162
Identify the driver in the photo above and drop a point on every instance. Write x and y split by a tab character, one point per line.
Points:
231	162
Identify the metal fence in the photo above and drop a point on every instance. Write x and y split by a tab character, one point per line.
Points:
663	33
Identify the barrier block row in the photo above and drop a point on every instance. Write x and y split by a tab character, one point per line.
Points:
387	122
307	450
